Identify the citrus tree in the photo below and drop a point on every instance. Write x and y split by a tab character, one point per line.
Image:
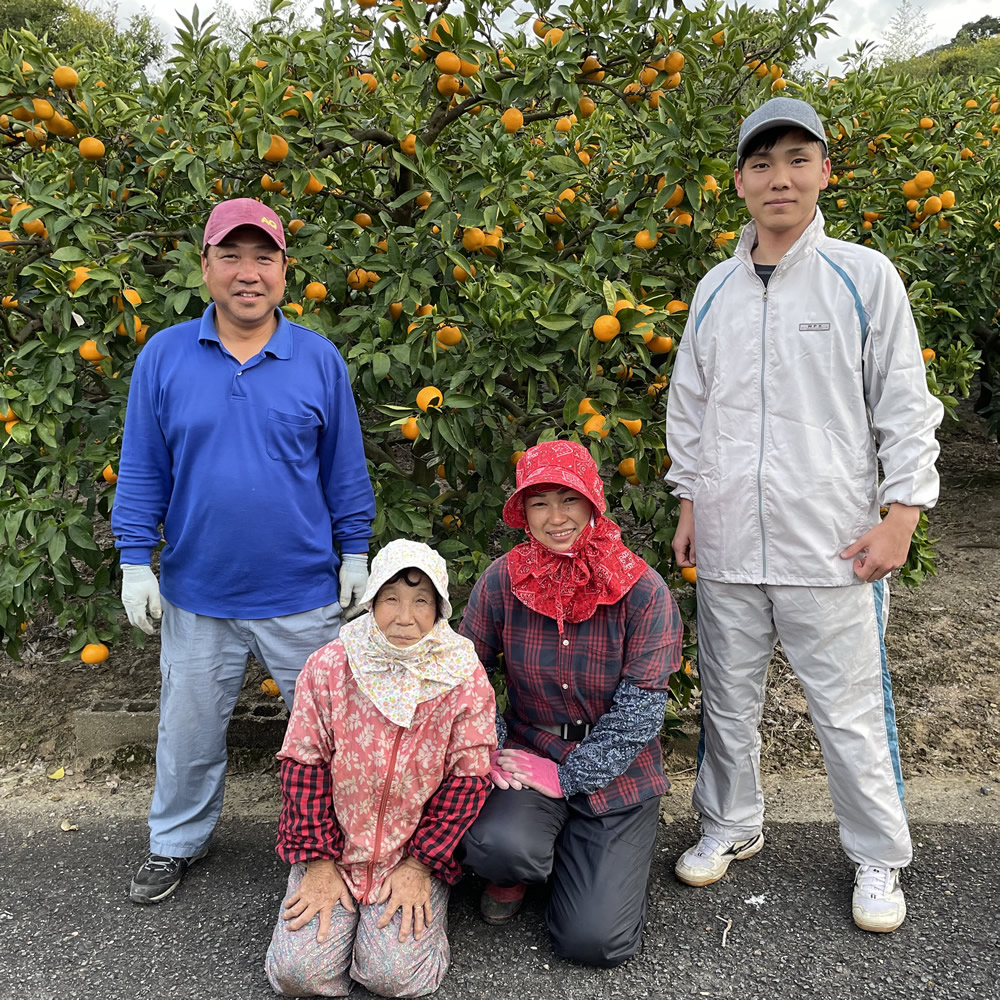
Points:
500	230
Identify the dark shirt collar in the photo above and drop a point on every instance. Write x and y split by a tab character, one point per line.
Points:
279	346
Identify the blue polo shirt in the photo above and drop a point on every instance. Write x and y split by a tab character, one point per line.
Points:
256	471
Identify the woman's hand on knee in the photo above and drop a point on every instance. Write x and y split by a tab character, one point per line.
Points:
532	771
407	889
500	777
320	890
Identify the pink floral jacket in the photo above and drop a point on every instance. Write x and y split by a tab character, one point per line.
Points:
384	774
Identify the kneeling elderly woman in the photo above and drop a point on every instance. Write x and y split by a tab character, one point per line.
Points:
383	768
589	635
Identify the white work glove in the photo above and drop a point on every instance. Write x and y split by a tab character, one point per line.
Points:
353	580
140	590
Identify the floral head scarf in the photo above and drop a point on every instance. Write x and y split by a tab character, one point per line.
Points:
395	678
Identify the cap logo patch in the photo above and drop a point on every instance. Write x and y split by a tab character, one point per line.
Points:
268	222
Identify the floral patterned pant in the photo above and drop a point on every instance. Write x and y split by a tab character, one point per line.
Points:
298	965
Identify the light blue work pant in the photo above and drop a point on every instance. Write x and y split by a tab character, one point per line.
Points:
203	662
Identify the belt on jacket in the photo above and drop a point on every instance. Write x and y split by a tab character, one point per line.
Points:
567	730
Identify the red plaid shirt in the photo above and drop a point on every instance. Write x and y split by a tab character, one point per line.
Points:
552	679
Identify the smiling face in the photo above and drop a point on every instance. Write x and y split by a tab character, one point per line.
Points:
781	185
557	517
245	275
405	608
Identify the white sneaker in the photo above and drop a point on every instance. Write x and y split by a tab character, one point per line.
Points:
878	903
709	859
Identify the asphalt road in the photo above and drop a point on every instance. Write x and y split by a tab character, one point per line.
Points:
68	931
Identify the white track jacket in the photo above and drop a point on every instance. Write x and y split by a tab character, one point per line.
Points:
784	400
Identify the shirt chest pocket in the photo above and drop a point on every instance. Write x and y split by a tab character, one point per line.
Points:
291	437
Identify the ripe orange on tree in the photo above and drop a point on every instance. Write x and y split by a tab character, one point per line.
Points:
410	429
606	328
315	290
690	574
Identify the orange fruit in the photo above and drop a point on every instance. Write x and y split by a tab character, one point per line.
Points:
645	240
595	425
65	77
719	38
927	123
395	310
408	144
512	120
278	149
80	275
91	148
690	574
553	36
632	426
676	198
109	475
362	219
606	328
564	125
780	84
357	279
295	225
370	81
947	199
473	239
315	290
429	398
932	205
660	345
468	68
627	467
448	86
296	307
620	305
928	355
516	457
409	429
131	296
590	69
924	179
586	107
674	62
585	407
8	302
89	351
10	424
460	274
94	652
448	63
313	186
269	687
448	335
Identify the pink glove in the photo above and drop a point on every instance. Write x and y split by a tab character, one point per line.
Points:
529	769
499	776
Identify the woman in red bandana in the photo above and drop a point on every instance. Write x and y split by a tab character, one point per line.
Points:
589	636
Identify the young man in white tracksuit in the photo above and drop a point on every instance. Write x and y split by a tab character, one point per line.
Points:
799	372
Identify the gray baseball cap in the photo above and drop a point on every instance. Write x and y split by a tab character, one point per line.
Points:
778	111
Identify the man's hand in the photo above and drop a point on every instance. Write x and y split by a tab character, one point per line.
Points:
140	591
683	542
353	580
885	548
408	889
532	771
320	890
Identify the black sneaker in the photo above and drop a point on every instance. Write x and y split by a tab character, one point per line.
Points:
159	876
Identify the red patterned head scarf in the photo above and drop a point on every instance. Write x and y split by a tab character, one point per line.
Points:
600	569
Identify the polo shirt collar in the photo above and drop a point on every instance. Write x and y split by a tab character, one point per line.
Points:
279	346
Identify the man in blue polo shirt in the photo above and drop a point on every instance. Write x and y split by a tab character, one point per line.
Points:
242	439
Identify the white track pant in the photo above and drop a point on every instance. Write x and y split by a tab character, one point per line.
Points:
833	638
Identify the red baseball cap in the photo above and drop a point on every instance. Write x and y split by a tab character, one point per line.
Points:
230	215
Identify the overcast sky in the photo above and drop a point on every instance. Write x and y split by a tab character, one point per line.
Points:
856	20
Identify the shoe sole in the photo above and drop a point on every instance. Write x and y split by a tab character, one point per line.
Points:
868	924
710	878
500	921
139	893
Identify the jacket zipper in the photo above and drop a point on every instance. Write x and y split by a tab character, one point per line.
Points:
381	813
760	458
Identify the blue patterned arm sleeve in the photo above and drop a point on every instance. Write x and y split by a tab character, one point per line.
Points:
614	743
